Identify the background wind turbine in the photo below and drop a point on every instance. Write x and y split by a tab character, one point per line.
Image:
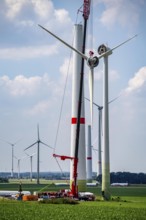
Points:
18	164
30	156
38	152
100	108
12	145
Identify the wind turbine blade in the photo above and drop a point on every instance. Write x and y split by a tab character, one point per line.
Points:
95	149
94	103
38	132
114	99
22	158
32	154
17	141
31	145
95	141
6	142
58	38
12	144
27	154
46	145
109	51
91	91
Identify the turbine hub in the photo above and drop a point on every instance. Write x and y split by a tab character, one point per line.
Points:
93	62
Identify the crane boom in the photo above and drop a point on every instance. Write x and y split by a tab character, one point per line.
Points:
86	9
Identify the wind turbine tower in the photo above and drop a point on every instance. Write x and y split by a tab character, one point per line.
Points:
18	166
75	99
12	170
99	167
104	52
30	156
12	145
38	153
105	160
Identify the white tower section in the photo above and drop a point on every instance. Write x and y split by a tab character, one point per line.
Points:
89	156
81	167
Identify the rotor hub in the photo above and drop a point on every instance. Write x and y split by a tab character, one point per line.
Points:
93	62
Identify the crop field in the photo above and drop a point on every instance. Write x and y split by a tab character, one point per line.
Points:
129	203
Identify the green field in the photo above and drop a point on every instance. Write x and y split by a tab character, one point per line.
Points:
130	206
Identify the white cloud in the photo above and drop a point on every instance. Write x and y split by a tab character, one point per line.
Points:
24	23
25	12
40	107
137	82
43	8
28	52
23	86
113	75
62	16
126	13
14	7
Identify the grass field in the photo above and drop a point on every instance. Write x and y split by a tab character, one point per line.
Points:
131	206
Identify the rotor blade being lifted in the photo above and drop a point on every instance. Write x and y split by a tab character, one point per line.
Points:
58	38
111	50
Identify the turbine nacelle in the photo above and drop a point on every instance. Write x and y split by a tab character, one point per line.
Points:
104	49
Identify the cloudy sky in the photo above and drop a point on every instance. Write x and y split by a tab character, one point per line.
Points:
36	78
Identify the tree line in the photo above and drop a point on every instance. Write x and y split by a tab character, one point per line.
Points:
4	180
125	177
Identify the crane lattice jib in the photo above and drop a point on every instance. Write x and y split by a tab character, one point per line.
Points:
86	8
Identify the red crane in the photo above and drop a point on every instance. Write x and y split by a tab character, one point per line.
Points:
74	187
